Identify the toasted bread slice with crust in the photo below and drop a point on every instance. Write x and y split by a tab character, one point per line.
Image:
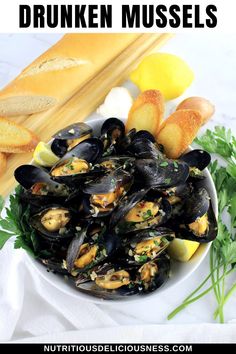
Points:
146	112
14	138
178	131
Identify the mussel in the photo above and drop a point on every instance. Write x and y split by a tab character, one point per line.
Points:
161	173
54	223
77	163
153	274
197	161
40	189
67	138
84	253
139	211
197	221
144	148
105	192
112	131
110	282
146	245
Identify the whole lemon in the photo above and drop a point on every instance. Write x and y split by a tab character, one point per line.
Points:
165	72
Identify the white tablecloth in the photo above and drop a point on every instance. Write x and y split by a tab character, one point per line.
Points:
33	310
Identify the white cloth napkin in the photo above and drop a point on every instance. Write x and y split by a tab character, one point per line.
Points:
32	310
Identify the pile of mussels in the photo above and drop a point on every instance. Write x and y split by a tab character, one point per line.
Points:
107	211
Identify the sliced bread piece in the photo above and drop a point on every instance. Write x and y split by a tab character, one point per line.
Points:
3	163
14	138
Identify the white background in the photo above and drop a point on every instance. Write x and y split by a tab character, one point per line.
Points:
9	15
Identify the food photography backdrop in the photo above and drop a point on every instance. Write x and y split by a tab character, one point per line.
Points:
31	307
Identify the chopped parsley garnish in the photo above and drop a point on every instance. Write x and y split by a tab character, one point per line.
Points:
164	164
167	181
147	214
143	258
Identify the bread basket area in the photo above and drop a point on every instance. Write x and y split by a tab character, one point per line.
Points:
94	66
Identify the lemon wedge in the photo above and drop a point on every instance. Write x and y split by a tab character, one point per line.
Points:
165	72
44	156
182	250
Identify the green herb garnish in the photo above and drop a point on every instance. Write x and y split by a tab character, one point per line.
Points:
167	180
223	250
143	258
16	223
175	164
147	214
164	164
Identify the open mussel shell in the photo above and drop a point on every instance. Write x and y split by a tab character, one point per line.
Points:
197	158
113	126
110	282
153	274
69	137
197	161
144	148
112	131
110	163
124	142
40	189
84	253
161	173
139	211
77	163
144	134
145	245
197	221
54	223
104	193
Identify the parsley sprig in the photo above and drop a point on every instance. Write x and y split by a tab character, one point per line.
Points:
16	223
223	251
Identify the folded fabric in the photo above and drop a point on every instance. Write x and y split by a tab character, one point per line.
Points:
205	333
33	310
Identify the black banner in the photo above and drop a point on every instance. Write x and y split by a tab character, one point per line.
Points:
117	348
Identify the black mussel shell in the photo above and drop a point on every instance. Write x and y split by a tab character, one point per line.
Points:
107	243
162	267
105	185
186	233
144	148
124	142
112	124
74	131
144	134
161	173
40	190
196	205
89	150
139	240
127	205
28	175
91	288
123	227
114	162
73	249
64	232
197	158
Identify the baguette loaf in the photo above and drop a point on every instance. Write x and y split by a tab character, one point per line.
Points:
58	73
14	138
3	163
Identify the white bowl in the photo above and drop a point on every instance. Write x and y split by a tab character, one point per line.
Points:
179	271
